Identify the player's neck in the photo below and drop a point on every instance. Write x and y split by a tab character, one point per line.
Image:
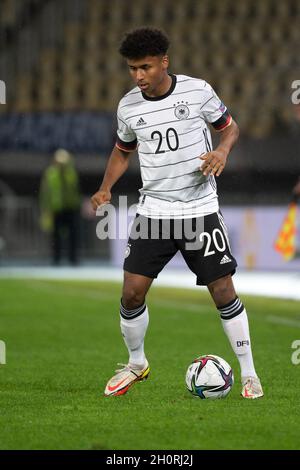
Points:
162	88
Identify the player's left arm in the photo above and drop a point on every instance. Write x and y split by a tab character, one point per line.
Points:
215	161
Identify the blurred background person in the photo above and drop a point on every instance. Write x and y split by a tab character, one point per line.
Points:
59	204
296	189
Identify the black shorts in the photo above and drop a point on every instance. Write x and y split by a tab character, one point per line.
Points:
202	241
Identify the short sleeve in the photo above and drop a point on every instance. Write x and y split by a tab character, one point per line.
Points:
214	111
126	138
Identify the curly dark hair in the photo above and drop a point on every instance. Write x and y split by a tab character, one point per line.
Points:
144	41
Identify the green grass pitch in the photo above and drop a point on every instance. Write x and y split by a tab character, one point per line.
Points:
62	345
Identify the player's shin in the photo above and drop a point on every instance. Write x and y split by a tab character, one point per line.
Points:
235	323
134	325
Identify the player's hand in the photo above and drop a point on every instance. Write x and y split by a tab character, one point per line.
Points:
100	198
214	162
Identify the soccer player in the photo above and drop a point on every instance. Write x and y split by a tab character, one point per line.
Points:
166	118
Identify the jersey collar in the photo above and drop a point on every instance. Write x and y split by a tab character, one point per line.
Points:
171	89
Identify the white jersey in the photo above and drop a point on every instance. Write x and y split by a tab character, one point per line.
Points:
170	133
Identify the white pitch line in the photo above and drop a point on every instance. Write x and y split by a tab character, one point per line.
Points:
43	285
194	307
39	285
283	321
284	285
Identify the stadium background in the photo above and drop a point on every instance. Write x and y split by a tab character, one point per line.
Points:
64	77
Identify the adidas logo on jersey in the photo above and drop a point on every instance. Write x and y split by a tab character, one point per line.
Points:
141	122
225	259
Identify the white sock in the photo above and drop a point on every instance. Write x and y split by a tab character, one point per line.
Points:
133	329
235	323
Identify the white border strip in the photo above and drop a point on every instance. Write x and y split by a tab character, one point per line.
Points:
269	284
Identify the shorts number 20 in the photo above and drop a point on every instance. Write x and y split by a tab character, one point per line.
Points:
218	240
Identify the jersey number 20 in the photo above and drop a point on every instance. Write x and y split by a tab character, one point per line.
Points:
169	133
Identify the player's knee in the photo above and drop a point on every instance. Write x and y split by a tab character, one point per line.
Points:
222	291
132	297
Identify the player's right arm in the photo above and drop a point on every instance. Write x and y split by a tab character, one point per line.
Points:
116	166
118	161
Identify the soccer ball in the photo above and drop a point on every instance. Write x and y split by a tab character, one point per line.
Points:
209	376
